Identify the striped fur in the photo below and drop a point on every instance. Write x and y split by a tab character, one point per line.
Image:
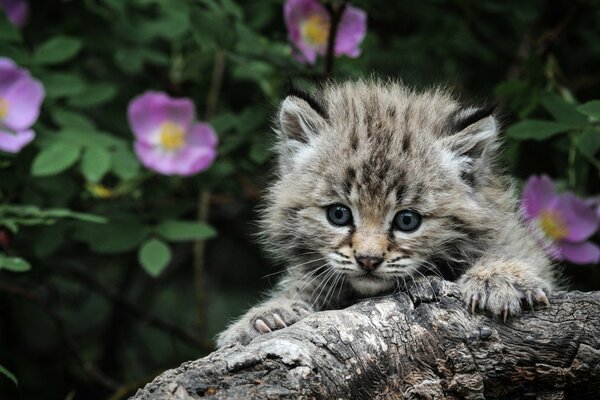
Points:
379	148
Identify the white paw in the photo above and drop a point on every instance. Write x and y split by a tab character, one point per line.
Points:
264	319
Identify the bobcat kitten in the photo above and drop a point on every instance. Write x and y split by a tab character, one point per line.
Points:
377	184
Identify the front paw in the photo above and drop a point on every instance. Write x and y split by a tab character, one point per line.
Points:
502	289
264	319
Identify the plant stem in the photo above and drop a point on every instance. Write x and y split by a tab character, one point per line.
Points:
335	15
571	176
203	204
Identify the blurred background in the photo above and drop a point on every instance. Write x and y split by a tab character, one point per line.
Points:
114	268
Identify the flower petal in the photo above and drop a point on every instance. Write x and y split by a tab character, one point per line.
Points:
24	99
16	11
202	135
9	74
538	193
195	159
581	219
148	111
351	32
580	253
14	142
188	161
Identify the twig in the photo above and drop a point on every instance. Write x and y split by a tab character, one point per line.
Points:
203	205
335	15
138	311
91	370
212	99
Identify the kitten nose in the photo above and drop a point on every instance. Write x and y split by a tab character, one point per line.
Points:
368	263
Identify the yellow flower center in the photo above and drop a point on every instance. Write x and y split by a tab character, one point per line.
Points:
3	107
316	30
553	225
100	191
172	136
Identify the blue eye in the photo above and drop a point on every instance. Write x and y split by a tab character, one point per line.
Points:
407	221
339	215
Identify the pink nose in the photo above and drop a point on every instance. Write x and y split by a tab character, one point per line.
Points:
368	263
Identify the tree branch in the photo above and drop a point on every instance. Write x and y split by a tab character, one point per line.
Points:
422	344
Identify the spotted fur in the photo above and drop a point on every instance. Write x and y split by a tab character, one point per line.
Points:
379	148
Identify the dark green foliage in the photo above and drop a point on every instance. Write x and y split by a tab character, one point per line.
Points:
109	245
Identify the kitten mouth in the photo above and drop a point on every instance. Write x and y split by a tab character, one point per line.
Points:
370	276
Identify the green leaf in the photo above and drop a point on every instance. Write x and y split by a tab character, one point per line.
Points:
64	213
62	85
591	108
95	94
9	375
114	237
57	50
124	163
88	138
260	152
561	110
171	24
69	119
8	32
536	129
185	230
95	163
154	255
55	159
14	264
207	29
589	142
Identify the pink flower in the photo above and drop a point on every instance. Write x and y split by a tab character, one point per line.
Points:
16	11
566	220
308	24
20	99
167	139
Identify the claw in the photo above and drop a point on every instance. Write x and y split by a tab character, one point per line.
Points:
474	301
505	314
541	297
279	321
261	326
304	312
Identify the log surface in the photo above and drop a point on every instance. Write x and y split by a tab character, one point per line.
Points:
422	344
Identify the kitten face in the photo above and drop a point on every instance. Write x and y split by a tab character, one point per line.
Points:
380	184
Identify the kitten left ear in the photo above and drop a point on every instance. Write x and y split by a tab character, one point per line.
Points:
473	133
298	121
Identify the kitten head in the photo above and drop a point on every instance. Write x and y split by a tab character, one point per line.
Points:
378	183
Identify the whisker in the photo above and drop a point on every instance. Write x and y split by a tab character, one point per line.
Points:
305	279
323	283
292	268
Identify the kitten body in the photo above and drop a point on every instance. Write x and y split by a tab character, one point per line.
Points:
357	168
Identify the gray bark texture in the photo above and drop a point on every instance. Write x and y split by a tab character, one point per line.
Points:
421	344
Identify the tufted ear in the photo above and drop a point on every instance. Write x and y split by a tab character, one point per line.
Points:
473	133
300	118
472	139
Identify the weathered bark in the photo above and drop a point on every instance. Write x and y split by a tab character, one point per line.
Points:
423	344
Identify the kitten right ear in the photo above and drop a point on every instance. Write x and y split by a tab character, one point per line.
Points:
299	120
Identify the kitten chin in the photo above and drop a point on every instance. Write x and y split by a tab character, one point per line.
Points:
370	285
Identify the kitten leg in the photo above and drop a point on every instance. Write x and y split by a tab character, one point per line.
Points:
276	313
501	287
